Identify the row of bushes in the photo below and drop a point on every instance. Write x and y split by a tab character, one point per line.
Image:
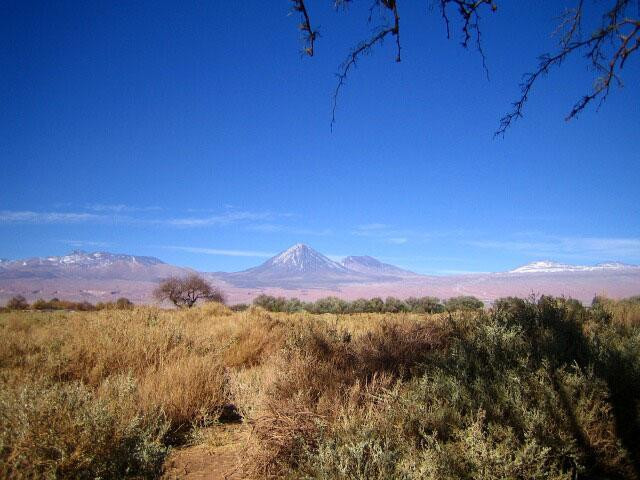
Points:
20	303
363	305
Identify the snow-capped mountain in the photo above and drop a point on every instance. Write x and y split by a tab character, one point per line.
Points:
547	266
299	265
301	271
302	266
96	276
372	266
80	257
301	258
80	264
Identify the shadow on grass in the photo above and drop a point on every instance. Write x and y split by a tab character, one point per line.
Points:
555	332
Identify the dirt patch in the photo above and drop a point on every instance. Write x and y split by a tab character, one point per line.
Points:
217	456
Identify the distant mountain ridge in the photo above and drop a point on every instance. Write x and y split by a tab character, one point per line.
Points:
81	264
299	265
306	273
548	266
80	257
302	266
373	266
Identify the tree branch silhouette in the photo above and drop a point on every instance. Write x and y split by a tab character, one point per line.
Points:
606	49
364	48
309	35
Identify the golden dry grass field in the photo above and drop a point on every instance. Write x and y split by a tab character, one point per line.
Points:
528	389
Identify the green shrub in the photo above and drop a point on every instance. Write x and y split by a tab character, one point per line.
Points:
424	305
17	303
40	304
394	305
337	305
123	303
239	307
269	303
463	303
67	431
533	389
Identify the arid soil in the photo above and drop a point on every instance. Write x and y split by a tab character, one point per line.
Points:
217	457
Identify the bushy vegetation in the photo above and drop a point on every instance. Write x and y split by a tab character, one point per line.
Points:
20	303
530	389
239	307
626	311
463	303
17	303
363	305
68	430
537	388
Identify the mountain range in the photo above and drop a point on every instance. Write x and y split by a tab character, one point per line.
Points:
305	273
302	266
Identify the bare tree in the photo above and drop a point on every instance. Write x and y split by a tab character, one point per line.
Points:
606	49
185	292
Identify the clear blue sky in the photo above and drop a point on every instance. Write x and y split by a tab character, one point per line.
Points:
196	132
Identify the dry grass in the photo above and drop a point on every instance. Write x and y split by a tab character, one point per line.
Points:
129	381
624	312
105	393
323	367
58	371
523	392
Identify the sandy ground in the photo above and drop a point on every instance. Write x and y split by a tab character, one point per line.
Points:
217	457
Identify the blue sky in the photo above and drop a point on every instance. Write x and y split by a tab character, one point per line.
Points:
196	132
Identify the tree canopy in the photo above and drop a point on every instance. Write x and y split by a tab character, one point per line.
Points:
185	292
